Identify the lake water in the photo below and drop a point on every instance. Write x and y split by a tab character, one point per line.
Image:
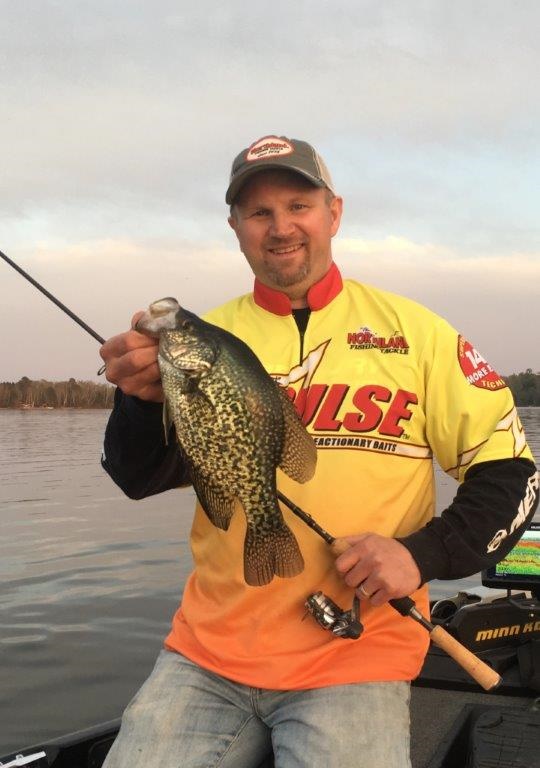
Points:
89	580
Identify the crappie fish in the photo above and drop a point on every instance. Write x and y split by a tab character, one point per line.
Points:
235	426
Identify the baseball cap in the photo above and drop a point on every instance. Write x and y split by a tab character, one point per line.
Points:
277	152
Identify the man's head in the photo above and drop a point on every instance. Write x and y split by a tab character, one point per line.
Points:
284	213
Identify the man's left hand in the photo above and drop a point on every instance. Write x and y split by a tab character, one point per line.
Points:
383	567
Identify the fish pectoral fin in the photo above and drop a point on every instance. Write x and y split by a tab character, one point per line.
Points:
217	505
299	454
275	553
167	421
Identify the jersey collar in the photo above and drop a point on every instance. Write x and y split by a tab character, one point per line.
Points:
319	295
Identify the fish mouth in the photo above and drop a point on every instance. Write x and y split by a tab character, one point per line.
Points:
160	316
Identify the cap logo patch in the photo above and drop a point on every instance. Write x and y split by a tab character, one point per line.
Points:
476	369
270	146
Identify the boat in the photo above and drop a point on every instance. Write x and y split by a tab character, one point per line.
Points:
454	723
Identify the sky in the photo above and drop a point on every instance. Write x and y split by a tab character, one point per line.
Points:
120	120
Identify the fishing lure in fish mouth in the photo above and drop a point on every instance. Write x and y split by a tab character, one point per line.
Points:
160	315
235	427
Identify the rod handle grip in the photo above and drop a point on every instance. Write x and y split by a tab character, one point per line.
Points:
477	669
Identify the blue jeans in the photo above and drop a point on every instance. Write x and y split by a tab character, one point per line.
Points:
186	717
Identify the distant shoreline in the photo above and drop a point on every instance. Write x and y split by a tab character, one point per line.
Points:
55	408
26	394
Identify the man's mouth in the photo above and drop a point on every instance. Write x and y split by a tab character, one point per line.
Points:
284	250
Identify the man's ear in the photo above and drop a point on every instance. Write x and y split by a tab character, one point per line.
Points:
336	209
233	223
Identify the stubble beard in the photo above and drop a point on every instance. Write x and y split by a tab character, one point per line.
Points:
285	279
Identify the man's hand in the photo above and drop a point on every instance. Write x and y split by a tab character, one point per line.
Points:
378	567
131	363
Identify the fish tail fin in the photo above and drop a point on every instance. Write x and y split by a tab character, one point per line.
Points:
275	553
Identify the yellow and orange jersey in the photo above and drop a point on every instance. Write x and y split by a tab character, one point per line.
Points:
384	386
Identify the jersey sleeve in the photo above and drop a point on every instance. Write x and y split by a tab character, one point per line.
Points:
476	436
470	413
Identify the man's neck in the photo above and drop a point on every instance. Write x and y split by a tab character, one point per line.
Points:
317	296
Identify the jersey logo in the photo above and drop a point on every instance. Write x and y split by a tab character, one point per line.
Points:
365	338
476	369
341	415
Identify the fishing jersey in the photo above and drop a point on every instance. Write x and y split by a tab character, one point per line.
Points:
384	386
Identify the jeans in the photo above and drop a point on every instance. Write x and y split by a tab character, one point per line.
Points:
186	717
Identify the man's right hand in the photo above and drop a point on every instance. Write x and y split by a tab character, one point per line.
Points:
131	363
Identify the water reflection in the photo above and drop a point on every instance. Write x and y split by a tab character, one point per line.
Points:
89	578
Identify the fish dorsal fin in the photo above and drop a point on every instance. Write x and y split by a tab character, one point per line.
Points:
299	455
217	504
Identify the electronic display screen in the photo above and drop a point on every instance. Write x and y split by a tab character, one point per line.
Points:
520	568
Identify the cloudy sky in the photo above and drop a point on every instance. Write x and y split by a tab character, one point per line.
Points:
120	120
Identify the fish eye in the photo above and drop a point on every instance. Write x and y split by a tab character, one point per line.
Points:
188	325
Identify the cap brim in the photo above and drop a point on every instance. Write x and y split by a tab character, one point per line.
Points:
240	179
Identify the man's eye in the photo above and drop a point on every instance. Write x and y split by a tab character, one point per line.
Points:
298	206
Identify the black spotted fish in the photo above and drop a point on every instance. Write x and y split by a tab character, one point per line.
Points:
235	426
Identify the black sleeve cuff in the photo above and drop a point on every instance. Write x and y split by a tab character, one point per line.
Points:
145	415
135	453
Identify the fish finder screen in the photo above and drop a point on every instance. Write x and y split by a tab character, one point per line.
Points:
520	568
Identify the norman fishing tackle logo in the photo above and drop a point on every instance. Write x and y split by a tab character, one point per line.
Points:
365	338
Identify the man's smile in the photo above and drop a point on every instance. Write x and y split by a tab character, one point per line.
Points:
285	250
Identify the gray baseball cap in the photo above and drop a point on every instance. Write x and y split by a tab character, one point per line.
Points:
277	152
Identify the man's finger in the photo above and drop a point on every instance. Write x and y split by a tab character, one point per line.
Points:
135	319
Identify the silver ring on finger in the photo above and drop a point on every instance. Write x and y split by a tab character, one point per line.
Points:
363	592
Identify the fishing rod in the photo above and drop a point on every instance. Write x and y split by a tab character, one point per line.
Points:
478	670
56	301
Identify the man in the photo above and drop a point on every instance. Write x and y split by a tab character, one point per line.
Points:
382	385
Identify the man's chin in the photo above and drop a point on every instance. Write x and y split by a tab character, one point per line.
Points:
288	279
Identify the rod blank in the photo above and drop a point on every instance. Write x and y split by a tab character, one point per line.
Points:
56	301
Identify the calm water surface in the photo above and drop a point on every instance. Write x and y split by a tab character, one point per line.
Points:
89	580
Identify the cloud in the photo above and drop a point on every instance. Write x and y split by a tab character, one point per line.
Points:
150	104
491	300
419	264
120	120
103	282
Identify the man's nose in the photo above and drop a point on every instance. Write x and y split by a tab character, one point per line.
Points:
282	224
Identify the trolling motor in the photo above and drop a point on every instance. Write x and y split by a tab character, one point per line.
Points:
330	616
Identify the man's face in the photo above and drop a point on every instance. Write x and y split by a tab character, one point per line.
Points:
284	226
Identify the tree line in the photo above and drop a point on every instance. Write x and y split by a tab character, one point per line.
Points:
525	387
55	394
88	394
